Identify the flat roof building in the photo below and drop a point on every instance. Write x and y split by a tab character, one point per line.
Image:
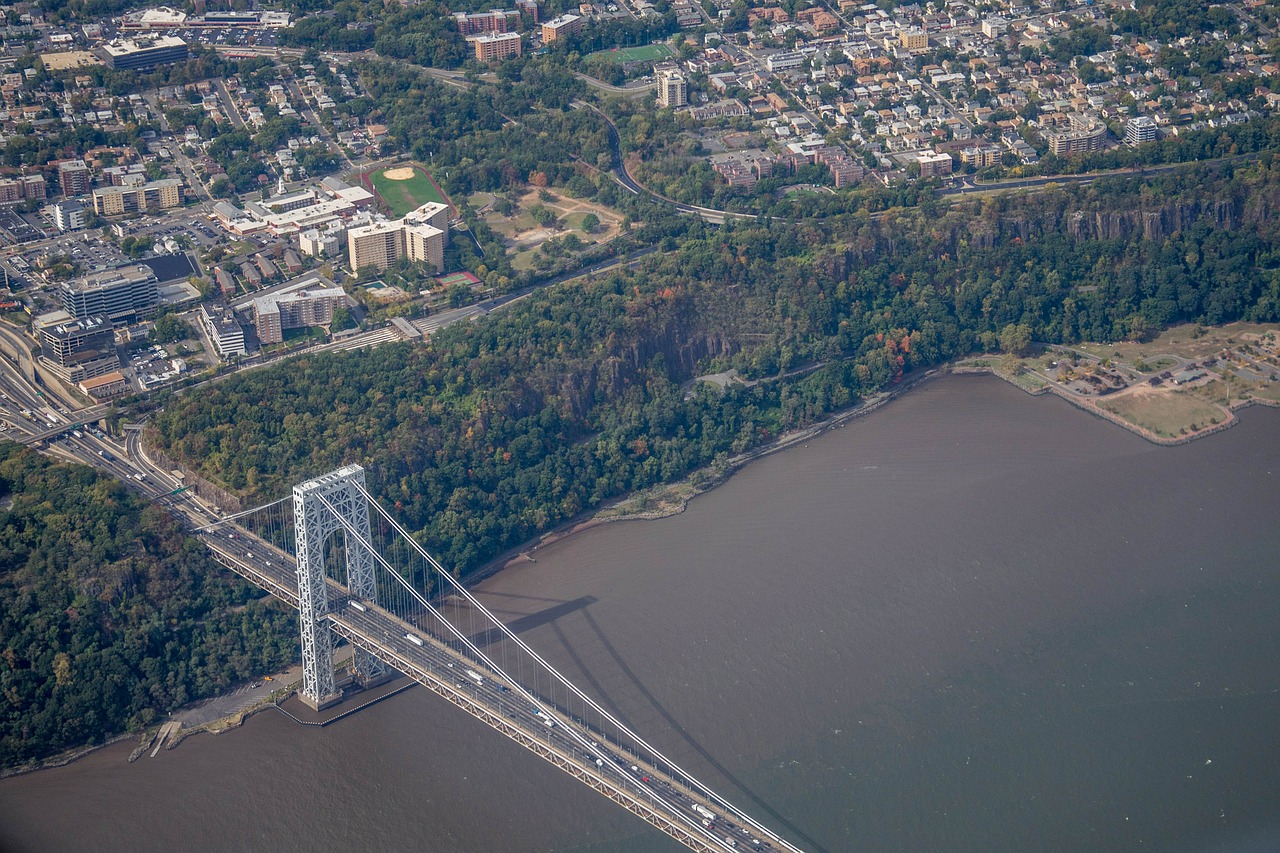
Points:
932	164
22	188
164	194
495	47
123	295
296	310
378	245
224	330
1085	134
420	236
673	89
1140	129
493	21
77	349
74	177
69	215
560	27
142	52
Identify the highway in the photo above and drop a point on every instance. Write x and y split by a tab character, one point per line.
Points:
661	799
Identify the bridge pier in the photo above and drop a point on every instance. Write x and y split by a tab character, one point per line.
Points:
320	508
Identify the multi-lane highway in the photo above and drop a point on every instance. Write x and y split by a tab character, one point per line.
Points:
666	801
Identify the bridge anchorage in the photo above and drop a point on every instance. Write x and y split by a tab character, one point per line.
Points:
377	587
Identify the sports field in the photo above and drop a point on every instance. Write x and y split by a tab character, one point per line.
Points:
648	53
405	188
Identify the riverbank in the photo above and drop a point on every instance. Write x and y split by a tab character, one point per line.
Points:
1094	407
671	499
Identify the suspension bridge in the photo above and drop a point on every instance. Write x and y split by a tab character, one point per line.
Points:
331	551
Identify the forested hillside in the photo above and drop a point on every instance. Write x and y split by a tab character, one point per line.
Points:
492	432
110	616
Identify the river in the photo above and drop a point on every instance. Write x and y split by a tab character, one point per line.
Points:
973	621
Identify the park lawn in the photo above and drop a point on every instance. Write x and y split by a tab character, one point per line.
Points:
1269	391
1168	414
574	220
1178	340
404	196
522	232
1030	381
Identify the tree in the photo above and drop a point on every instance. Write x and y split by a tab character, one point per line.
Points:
169	329
1015	338
590	223
342	319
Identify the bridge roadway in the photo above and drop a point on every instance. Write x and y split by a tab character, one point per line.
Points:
644	790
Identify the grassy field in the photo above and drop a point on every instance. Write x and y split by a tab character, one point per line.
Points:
522	234
404	196
1168	415
1180	340
648	53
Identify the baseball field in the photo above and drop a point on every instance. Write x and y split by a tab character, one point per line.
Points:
406	187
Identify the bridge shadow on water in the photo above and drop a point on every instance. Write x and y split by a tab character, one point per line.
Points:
551	614
531	620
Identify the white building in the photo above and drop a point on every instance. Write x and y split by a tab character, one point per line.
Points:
224	330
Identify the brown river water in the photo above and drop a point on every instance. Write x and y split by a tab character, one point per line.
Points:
972	621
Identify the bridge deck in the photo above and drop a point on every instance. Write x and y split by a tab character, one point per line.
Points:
660	799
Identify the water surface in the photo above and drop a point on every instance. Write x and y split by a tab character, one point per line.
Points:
974	621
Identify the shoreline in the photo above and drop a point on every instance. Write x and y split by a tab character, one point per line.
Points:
1091	407
672	498
653	504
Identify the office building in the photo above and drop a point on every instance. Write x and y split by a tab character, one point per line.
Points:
495	47
77	349
123	295
142	52
673	89
106	386
785	60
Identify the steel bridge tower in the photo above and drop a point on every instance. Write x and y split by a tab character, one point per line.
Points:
320	507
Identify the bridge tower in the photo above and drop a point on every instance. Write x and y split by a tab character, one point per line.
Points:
319	508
